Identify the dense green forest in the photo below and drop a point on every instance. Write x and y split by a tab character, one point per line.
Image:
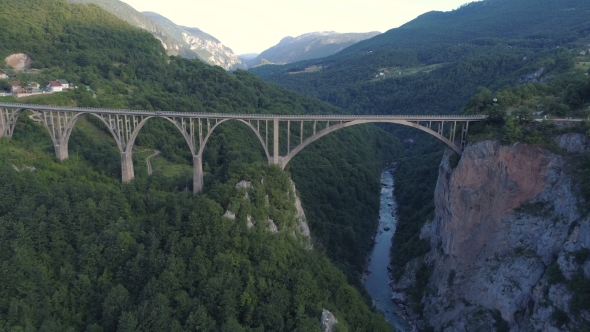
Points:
83	252
531	55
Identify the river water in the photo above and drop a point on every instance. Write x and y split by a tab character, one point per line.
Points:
377	282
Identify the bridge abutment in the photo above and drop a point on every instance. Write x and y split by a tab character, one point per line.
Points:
127	173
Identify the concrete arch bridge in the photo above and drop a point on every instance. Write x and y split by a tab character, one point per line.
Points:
281	136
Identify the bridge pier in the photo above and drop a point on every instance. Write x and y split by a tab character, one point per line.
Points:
197	174
127	173
61	151
275	132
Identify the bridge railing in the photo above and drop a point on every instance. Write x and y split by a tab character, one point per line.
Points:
336	117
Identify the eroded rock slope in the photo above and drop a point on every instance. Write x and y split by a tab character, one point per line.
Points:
508	224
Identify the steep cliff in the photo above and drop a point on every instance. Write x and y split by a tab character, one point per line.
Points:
509	237
205	46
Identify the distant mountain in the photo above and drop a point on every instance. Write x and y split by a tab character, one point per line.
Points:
434	44
478	22
309	46
247	56
204	45
190	43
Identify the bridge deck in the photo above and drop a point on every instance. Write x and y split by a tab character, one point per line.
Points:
247	116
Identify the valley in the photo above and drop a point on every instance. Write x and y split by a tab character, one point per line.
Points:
265	222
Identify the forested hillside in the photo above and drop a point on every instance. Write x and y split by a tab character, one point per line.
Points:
129	14
80	251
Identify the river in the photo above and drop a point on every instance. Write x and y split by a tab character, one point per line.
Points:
377	282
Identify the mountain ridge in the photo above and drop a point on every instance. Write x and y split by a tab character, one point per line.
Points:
207	47
307	46
191	43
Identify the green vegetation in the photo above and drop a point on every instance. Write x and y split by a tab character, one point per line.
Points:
451	277
554	274
148	82
529	54
581	256
580	288
559	317
499	323
78	253
81	251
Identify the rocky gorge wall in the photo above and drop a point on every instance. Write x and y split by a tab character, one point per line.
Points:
506	217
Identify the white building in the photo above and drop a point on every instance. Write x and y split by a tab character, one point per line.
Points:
64	84
54	86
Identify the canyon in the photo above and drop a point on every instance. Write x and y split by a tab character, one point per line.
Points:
508	220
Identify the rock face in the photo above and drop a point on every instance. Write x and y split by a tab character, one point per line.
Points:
18	61
573	143
297	228
300	216
199	43
211	49
503	215
328	321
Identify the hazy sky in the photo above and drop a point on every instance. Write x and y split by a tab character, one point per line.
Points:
255	25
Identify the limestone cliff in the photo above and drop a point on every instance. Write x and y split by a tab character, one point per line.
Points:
504	214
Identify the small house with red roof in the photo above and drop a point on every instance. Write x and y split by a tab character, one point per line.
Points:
54	86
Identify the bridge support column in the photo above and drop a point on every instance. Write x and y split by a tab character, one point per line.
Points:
61	151
197	174
127	173
3	120
275	156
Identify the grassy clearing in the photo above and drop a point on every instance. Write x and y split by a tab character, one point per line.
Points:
169	169
310	69
583	65
400	72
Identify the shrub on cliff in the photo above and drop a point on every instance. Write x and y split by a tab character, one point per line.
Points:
511	132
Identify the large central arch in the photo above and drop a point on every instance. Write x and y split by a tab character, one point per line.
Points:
283	161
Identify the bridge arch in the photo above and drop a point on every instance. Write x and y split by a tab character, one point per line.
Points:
206	139
8	118
285	160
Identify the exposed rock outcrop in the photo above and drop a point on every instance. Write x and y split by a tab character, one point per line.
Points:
300	216
300	229
328	321
219	54
230	215
18	61
503	215
573	143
